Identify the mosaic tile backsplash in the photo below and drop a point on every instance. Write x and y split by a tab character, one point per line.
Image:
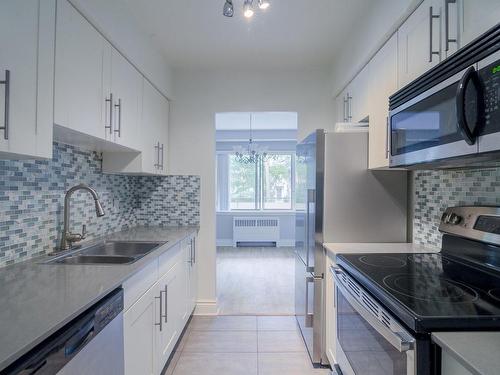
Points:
32	199
436	190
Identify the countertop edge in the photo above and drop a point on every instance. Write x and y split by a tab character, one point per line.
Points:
4	363
455	353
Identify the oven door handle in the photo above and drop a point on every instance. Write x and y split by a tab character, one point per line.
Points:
397	339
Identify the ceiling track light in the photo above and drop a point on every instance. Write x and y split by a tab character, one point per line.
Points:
248	10
228	9
263	4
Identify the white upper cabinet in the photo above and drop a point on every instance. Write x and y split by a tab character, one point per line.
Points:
476	17
419	40
27	32
383	83
122	88
80	49
358	96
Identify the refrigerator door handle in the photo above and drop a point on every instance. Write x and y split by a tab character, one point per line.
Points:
308	316
311	198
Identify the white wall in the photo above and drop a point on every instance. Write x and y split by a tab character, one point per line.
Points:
201	94
367	37
112	20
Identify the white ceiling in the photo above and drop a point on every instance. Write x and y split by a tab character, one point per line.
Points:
290	34
260	120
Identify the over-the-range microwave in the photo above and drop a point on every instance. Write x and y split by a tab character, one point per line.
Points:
450	116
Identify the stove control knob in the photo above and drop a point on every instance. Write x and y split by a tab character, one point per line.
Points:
454	219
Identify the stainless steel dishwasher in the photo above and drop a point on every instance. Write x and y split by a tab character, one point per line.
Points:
92	344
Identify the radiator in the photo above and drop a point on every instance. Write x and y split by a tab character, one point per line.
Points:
256	230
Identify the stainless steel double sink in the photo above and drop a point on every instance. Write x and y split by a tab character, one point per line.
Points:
107	252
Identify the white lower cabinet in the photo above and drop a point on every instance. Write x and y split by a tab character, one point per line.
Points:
169	295
154	322
140	336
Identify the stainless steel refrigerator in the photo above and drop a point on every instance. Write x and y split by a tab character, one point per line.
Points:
338	200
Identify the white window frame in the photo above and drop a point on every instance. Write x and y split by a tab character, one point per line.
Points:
259	197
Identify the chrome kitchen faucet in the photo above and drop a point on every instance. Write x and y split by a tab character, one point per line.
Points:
68	238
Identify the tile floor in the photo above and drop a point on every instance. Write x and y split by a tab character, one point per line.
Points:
242	345
255	281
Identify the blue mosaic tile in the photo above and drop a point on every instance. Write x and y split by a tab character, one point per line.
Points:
32	198
437	190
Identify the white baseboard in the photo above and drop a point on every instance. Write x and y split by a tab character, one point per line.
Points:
225	242
287	243
206	307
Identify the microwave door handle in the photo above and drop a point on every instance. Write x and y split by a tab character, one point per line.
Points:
470	77
396	339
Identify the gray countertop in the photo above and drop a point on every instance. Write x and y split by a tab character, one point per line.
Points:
476	351
38	299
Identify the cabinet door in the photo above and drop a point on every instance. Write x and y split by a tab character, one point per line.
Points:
126	84
383	83
27	53
477	16
149	129
170	305
358	91
419	40
79	99
141	335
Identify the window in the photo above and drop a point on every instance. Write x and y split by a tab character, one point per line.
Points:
277	182
265	185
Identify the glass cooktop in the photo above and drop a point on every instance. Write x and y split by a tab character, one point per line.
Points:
429	291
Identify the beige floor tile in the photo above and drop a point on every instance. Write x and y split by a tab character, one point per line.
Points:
217	364
276	323
221	342
280	341
287	363
224	323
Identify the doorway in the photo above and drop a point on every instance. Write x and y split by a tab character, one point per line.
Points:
255	169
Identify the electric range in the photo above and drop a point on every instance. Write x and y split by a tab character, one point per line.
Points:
389	304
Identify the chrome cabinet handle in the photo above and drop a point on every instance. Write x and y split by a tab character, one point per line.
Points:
110	126
157	149
161	311
119	106
432	16
308	317
345	109
311	198
162	155
194	250
5	126
447	23
166	304
349	107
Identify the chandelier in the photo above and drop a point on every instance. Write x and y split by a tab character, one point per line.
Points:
252	153
248	10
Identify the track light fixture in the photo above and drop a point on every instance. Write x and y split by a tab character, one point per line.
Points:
248	10
228	9
264	4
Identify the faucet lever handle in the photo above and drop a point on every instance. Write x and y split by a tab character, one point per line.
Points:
84	231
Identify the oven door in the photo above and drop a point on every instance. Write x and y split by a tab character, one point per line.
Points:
430	126
369	340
